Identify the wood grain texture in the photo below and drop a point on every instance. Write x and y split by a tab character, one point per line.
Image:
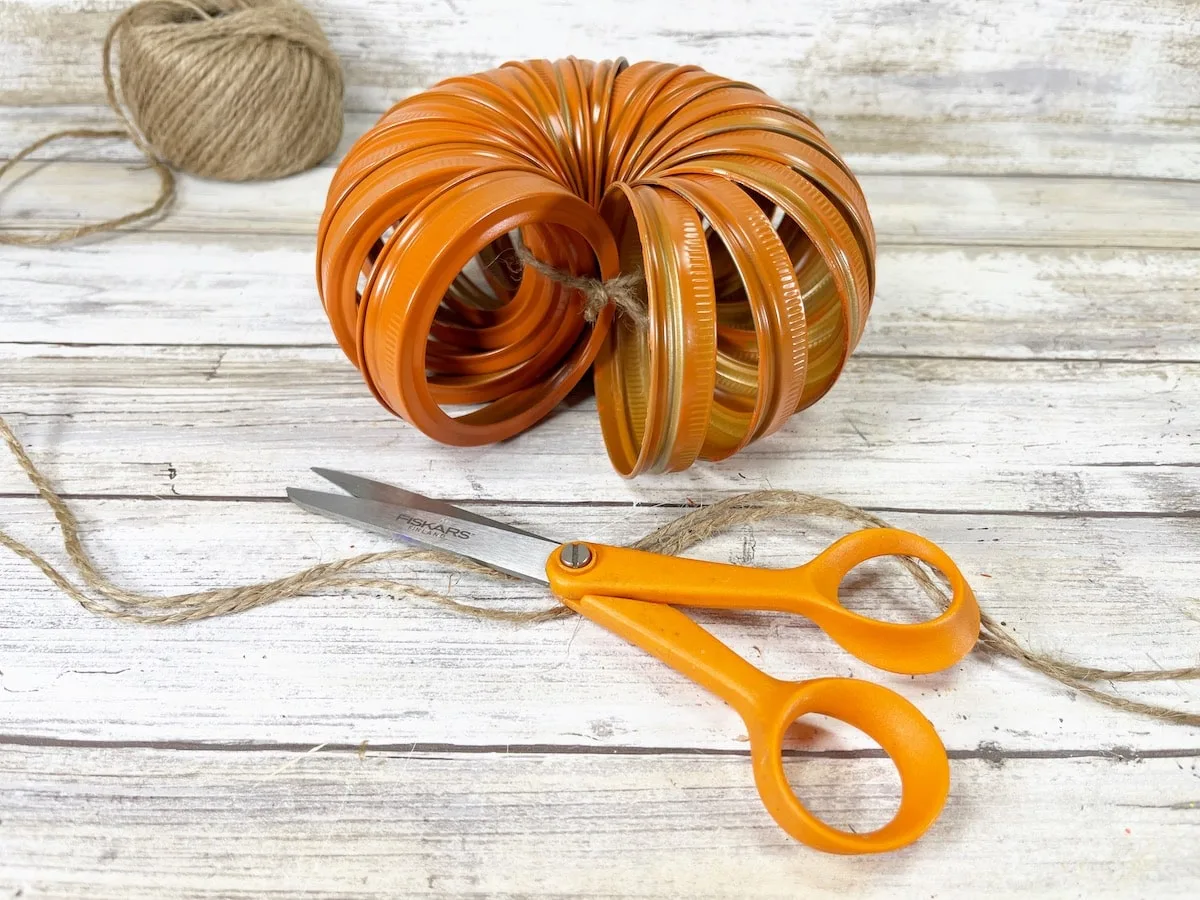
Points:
1025	395
146	823
22	125
869	145
907	209
911	433
1018	303
348	668
1123	74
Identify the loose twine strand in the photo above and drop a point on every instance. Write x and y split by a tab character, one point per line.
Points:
231	102
114	602
130	131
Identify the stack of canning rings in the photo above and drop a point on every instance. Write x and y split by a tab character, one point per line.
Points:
751	234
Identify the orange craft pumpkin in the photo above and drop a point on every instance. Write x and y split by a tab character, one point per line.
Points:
752	236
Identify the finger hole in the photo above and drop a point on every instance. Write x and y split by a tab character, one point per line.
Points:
853	786
884	588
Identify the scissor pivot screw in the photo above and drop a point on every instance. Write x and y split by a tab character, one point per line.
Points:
575	556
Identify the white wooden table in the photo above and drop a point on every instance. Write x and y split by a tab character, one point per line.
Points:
1027	395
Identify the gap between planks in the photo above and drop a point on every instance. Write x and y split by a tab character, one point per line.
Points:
165	227
631	505
869	354
990	753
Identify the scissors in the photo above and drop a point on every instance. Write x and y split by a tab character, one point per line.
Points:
634	594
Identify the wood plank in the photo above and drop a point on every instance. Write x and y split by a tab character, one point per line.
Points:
343	669
1023	274
1127	62
871	145
168	289
932	301
141	823
1035	303
907	209
882	144
20	126
910	433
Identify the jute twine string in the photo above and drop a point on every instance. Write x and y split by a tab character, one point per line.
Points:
236	90
111	600
624	291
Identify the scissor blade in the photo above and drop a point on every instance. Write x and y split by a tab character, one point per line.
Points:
517	554
367	489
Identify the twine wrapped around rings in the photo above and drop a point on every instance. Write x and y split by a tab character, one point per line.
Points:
734	241
236	90
103	597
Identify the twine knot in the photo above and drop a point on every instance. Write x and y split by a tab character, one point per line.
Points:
626	291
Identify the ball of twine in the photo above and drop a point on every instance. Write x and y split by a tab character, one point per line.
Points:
236	90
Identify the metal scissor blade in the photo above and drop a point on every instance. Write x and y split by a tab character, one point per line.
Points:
367	489
522	555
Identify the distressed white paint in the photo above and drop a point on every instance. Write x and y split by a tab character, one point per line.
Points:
1019	303
907	209
144	824
1149	150
1051	446
344	669
1120	65
895	432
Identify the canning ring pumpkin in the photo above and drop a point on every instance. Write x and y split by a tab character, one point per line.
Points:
752	235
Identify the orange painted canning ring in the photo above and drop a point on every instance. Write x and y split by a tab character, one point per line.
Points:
753	238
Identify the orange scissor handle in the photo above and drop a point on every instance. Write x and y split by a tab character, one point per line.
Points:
810	590
769	706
